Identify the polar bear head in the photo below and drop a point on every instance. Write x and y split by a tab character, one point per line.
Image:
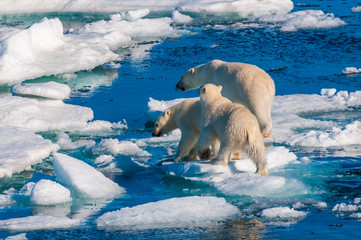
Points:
210	91
164	124
190	80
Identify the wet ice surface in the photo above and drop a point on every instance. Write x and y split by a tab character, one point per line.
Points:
313	186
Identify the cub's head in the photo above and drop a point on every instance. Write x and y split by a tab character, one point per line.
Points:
162	126
209	90
189	80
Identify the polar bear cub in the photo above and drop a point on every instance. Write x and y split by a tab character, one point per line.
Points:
187	117
233	125
242	83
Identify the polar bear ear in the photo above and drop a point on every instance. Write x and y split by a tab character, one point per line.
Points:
220	87
204	89
167	112
193	70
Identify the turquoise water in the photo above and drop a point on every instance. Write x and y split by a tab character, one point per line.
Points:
301	62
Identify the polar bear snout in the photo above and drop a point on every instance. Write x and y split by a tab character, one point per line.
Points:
157	133
180	86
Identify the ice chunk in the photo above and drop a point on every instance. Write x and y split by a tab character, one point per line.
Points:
6	200
43	115
328	92
177	17
21	236
116	147
320	205
355	215
134	15
351	70
243	7
33	147
46	192
51	90
343	207
43	49
38	222
85	180
282	213
175	212
298	205
356	9
309	19
349	135
64	141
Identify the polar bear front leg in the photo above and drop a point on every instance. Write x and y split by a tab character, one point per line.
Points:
185	146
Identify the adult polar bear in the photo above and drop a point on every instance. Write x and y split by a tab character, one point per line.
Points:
242	83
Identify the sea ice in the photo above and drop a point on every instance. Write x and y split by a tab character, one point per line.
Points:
38	222
64	141
282	213
116	147
351	70
34	149
43	115
309	19
356	9
243	7
21	236
85	180
46	192
52	90
43	49
177	17
343	207
175	212
131	15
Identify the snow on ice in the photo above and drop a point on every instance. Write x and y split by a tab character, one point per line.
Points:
34	149
46	192
52	90
83	179
242	7
38	222
175	212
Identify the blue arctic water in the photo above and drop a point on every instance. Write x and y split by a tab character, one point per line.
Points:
301	62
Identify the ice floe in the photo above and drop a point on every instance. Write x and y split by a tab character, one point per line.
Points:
116	147
65	142
175	212
46	192
351	70
282	213
238	178
83	179
34	149
21	236
43	49
43	115
309	19
343	207
356	9
38	222
52	90
243	7
177	17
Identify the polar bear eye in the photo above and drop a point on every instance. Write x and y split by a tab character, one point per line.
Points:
156	125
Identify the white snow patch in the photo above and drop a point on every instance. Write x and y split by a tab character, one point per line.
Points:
33	148
85	180
46	192
51	90
282	213
38	222
175	212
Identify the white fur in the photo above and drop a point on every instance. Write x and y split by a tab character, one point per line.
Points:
233	125
242	83
187	117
